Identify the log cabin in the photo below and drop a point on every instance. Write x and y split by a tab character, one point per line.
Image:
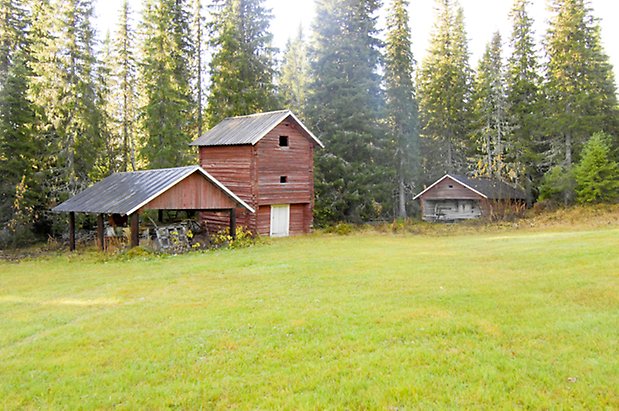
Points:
454	198
267	159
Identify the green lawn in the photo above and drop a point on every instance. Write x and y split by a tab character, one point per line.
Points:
511	319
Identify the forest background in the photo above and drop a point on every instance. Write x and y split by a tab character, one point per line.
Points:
539	114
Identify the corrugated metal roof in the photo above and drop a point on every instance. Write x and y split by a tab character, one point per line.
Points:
490	188
125	193
248	129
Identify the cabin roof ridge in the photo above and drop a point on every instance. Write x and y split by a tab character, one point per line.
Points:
263	113
250	129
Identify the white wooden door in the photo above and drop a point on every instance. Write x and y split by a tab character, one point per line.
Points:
280	220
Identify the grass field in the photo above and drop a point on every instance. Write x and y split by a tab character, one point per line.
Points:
505	319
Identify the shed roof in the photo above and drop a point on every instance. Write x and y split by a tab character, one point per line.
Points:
489	188
249	129
126	193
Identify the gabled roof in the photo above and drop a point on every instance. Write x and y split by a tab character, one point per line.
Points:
249	129
126	193
489	188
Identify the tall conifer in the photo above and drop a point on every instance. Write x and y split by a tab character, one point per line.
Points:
445	93
110	160
402	110
523	97
490	109
242	68
124	72
579	85
63	88
294	75
17	142
353	178
165	72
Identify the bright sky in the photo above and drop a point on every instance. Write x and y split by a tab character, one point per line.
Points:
482	19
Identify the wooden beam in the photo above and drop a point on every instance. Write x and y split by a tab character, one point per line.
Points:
100	232
233	223
72	231
135	229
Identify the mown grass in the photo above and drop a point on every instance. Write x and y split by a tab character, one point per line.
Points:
506	319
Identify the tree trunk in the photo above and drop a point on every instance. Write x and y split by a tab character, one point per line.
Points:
567	193
401	198
450	167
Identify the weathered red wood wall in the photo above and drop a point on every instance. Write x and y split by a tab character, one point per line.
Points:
233	166
194	192
253	173
294	162
263	225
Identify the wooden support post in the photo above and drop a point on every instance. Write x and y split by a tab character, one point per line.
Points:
233	223
135	229
72	231
100	232
160	216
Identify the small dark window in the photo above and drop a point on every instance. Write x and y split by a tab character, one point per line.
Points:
283	179
450	186
283	141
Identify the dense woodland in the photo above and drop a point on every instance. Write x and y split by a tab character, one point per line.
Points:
72	110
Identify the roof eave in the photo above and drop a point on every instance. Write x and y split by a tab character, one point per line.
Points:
454	179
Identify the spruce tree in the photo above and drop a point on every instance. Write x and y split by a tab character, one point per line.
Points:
523	98
110	160
294	75
13	33
444	87
401	108
197	29
490	109
17	140
64	92
125	98
242	68
166	74
353	176
579	84
597	174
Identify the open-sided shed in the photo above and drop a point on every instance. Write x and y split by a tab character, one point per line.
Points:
129	193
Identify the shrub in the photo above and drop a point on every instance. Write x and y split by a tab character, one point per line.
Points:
244	238
340	229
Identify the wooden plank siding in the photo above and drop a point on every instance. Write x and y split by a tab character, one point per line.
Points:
300	218
450	210
192	193
263	226
233	166
450	189
295	162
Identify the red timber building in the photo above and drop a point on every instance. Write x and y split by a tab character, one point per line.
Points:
267	160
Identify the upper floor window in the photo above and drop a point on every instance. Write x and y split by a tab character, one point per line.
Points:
283	141
283	179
